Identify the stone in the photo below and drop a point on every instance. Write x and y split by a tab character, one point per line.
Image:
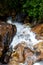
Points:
7	31
38	29
38	49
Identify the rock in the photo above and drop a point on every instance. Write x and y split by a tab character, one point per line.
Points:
7	31
20	17
17	55
26	21
1	48
21	54
12	62
38	29
28	56
27	52
13	14
38	49
19	49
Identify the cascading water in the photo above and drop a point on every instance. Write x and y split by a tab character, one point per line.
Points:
24	34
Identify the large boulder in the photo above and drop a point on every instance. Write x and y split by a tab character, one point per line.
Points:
7	31
21	54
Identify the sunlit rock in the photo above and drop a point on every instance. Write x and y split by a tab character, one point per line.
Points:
38	29
38	48
19	49
13	62
28	54
22	54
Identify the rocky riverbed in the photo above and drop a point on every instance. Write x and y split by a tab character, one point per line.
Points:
27	44
28	35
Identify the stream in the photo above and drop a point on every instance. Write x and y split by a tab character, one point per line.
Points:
24	34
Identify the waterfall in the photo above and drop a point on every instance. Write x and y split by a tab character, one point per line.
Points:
24	34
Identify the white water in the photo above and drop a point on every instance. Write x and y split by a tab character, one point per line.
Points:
39	63
24	34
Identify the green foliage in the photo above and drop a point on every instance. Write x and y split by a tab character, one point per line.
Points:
7	6
34	8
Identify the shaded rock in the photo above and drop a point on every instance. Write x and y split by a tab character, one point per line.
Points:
20	17
7	31
26	21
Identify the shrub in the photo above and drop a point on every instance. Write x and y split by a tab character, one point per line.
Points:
34	8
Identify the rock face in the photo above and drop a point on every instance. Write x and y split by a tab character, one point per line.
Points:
38	29
6	35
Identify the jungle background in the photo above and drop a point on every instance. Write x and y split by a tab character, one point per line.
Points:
31	10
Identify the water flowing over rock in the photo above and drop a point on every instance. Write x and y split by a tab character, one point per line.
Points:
39	50
24	34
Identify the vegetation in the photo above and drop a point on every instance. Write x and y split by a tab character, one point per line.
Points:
34	8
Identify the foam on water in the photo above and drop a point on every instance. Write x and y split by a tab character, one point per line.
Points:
25	34
39	63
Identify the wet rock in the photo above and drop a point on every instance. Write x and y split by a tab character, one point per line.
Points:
38	29
28	56
27	52
17	55
19	49
38	48
7	31
22	54
20	17
1	48
26	22
12	62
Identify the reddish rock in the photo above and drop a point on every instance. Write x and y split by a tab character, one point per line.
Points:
38	29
